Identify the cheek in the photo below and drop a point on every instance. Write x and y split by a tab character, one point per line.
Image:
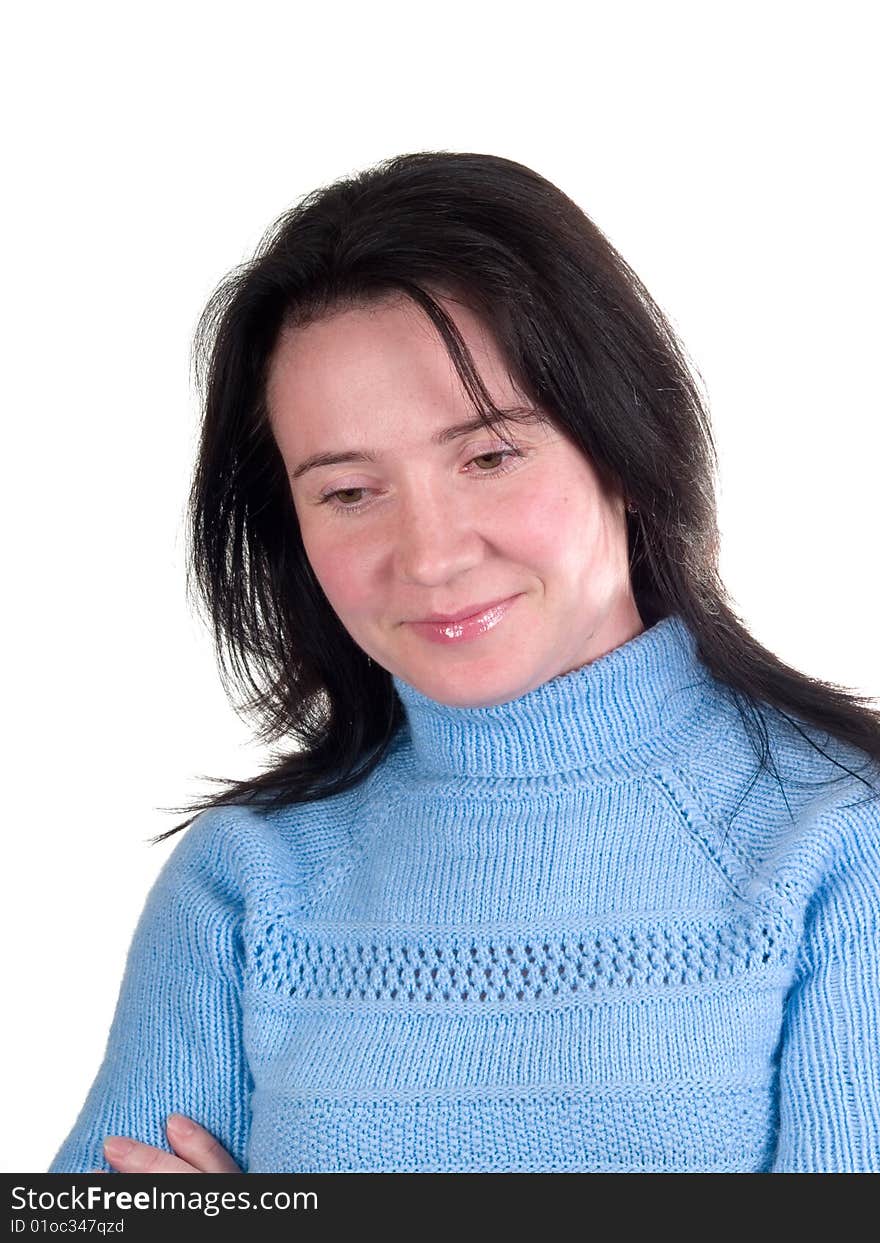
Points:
338	567
555	526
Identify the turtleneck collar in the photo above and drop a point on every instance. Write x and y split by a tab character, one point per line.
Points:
639	690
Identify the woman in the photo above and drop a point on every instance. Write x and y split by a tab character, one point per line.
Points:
567	872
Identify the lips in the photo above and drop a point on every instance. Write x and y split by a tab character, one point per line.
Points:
472	610
464	630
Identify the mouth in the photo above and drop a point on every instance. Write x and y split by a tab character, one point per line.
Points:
473	610
467	626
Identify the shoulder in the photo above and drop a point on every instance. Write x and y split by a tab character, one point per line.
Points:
195	906
205	853
785	803
253	854
845	841
831	823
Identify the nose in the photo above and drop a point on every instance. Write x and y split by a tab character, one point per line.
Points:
434	540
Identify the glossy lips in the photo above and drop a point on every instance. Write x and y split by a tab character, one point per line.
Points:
465	627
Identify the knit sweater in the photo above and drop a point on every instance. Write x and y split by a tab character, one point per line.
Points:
577	931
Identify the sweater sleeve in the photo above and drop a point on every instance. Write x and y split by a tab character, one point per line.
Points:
829	1071
175	1043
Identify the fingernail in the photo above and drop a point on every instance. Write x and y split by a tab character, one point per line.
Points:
180	1124
116	1147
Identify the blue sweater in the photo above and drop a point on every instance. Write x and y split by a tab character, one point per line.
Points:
574	931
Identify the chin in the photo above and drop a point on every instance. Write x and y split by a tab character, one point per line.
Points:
468	690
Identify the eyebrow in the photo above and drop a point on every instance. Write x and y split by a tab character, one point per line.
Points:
442	437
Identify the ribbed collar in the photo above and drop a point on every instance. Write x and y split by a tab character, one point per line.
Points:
633	694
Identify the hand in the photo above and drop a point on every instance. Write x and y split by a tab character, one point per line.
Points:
198	1152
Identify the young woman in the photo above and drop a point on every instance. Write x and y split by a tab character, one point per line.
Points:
565	871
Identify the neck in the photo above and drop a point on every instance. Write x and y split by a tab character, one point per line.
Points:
632	697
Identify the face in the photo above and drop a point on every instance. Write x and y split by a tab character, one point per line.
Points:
419	526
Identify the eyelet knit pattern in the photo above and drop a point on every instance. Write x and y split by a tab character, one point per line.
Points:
552	966
575	931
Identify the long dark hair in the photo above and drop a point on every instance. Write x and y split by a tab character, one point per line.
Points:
584	341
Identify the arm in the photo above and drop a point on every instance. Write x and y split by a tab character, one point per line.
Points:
829	1072
176	1041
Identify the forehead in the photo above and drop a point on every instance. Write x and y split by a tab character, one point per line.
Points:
350	367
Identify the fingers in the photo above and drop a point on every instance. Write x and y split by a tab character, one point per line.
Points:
198	1146
198	1152
129	1156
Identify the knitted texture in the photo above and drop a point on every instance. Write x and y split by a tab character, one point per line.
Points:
576	931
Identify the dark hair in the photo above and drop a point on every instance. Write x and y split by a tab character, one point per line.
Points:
584	341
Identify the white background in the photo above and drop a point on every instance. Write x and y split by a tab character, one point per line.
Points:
727	150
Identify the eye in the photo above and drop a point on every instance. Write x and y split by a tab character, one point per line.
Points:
493	453
343	507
